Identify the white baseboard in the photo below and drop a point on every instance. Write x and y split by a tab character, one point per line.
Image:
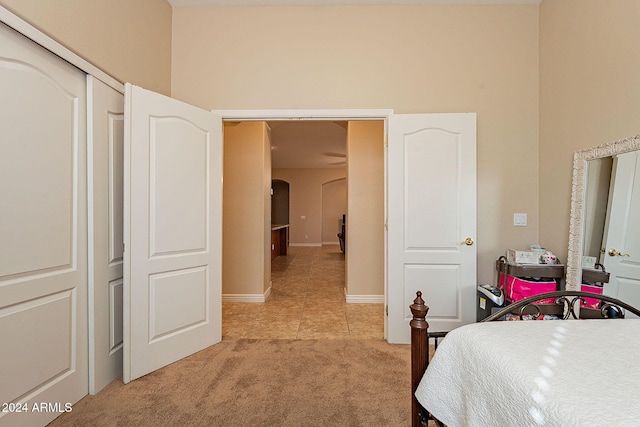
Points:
350	299
306	244
247	297
365	299
330	243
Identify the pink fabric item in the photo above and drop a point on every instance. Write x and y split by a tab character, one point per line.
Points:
516	288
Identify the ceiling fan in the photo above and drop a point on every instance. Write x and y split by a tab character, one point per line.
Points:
340	155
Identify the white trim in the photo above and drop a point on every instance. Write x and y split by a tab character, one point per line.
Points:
247	297
303	3
330	243
365	299
360	114
307	245
56	48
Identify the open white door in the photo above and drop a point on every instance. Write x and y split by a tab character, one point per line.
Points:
431	213
172	231
621	257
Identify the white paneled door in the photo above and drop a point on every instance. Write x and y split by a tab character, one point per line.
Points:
105	120
172	231
621	256
431	220
43	233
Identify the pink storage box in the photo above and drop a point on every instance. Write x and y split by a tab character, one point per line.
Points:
516	288
591	302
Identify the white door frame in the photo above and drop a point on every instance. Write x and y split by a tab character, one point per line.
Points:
324	115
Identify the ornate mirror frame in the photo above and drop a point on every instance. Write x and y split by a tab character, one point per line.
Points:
578	191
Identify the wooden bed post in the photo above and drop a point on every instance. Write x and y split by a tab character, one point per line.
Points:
419	351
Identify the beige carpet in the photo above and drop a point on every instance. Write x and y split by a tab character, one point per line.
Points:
248	382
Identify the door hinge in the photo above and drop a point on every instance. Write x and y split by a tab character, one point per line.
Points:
386	141
386	310
123	248
386	224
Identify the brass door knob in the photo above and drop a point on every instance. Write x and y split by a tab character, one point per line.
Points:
615	252
468	241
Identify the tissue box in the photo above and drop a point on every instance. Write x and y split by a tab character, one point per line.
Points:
589	262
523	257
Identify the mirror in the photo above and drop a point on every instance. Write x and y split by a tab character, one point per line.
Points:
591	176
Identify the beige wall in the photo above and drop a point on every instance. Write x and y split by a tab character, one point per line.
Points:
246	228
305	199
589	94
582	90
266	206
412	59
365	217
130	40
334	205
280	202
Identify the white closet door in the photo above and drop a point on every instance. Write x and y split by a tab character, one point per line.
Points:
105	120
43	232
172	229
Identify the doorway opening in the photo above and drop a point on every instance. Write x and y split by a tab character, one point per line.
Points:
301	236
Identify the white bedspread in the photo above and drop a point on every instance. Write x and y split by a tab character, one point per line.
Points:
536	373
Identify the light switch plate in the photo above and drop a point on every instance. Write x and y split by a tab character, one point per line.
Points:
520	219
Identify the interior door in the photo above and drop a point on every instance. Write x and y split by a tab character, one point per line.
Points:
105	119
431	192
43	233
172	231
622	242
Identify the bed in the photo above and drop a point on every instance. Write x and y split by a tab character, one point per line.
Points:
563	372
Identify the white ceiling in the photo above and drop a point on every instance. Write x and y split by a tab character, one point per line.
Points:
308	144
240	3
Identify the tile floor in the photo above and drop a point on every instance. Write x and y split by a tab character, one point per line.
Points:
307	302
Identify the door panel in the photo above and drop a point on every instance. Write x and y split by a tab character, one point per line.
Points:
43	263
431	211
178	208
623	231
172	229
428	154
105	117
115	321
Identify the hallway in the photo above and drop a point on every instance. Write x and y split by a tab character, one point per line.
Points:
307	302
